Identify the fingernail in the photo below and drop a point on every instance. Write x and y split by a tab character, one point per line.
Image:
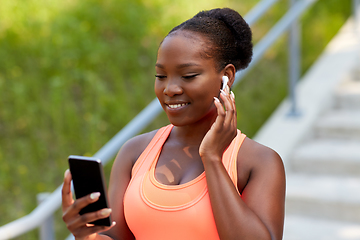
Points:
227	89
232	94
94	195
106	212
223	92
66	172
216	99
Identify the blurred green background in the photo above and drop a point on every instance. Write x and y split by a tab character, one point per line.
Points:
73	73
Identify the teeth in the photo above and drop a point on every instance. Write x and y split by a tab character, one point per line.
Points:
177	105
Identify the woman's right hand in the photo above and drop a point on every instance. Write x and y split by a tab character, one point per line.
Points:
76	223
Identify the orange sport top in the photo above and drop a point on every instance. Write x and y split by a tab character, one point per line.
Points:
154	211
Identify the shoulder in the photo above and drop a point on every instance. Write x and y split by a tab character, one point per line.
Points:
258	162
127	156
259	153
132	149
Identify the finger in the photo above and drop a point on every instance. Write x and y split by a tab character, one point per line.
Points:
233	121
66	194
229	108
88	230
221	114
73	210
84	201
231	113
85	219
71	215
96	229
232	95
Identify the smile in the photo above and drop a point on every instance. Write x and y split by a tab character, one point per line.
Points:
174	106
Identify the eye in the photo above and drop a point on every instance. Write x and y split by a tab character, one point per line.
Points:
160	76
189	77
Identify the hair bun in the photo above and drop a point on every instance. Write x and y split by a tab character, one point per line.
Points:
240	30
228	32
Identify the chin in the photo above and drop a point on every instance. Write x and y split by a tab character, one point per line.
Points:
179	122
200	117
182	122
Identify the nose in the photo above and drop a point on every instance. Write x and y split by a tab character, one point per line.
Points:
173	88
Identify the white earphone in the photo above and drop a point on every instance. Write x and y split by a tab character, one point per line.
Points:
225	81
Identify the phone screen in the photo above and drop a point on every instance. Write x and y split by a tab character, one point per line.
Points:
88	177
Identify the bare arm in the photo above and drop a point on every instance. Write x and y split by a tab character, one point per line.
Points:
259	213
119	180
264	192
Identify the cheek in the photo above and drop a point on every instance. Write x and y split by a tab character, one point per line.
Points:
158	88
210	88
207	92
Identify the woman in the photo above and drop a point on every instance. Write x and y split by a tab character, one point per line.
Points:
200	177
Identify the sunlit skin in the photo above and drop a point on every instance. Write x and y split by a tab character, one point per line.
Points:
204	127
191	80
187	79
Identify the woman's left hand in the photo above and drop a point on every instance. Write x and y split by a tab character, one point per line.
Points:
223	130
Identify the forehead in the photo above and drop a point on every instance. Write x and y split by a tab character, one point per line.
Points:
182	47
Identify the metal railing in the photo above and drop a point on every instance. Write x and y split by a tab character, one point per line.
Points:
290	20
356	13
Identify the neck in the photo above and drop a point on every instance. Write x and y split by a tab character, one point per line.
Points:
193	134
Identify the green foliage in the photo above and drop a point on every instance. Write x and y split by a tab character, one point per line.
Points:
265	86
320	24
73	73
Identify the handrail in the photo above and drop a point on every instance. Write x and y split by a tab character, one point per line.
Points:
275	32
258	11
147	115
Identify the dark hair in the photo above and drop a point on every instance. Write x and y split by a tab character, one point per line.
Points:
228	33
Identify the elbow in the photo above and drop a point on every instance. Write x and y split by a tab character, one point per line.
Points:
256	234
266	236
263	234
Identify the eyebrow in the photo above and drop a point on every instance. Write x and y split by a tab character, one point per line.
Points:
179	66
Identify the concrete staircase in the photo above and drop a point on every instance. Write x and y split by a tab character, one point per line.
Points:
320	147
323	173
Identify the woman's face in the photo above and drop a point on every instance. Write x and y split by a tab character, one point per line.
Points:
186	82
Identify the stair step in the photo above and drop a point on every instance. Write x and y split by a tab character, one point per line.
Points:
327	156
347	96
343	124
329	197
304	228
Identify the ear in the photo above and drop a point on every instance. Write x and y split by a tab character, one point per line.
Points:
229	71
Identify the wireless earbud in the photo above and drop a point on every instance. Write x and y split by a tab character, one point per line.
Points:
225	81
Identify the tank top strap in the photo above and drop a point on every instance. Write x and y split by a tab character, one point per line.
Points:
150	152
154	147
230	156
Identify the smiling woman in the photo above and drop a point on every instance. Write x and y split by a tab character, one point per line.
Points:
199	177
186	84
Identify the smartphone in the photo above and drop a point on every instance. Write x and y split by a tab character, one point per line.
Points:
88	177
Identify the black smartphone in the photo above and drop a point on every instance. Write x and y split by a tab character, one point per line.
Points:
88	177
